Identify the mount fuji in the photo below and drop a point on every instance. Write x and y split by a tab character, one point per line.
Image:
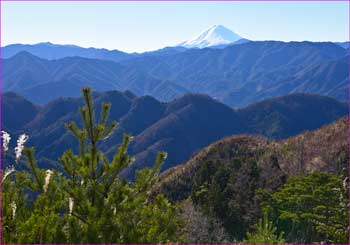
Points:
214	36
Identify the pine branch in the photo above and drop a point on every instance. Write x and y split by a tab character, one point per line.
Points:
30	158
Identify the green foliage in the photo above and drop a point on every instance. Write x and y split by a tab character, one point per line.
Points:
227	192
226	184
265	233
88	202
311	209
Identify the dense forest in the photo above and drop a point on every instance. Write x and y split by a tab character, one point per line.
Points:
241	189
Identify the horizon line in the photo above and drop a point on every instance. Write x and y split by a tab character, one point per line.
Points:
173	46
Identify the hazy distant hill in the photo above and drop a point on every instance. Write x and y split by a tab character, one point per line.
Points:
180	127
52	51
40	80
237	75
242	74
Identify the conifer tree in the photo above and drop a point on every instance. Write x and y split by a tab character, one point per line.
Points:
265	233
88	202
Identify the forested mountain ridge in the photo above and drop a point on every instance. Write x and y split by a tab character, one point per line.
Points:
323	149
194	121
234	180
242	188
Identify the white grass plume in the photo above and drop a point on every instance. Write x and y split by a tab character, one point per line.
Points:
20	146
8	171
6	138
47	179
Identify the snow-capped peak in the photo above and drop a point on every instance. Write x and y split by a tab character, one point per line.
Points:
215	35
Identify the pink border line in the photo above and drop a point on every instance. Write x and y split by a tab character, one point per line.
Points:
217	1
1	237
348	133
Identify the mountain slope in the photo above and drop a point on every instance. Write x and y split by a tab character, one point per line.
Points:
321	148
180	127
32	77
242	74
285	116
237	75
17	112
231	179
192	121
328	78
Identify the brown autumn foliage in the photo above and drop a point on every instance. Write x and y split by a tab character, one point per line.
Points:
245	190
324	149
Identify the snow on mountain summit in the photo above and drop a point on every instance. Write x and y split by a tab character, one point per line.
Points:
215	35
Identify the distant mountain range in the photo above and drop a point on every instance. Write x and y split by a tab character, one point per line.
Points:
180	127
236	75
243	74
217	35
52	51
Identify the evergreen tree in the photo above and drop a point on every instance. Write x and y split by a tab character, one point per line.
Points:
88	202
311	209
265	233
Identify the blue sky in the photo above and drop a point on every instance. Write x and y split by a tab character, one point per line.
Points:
143	26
